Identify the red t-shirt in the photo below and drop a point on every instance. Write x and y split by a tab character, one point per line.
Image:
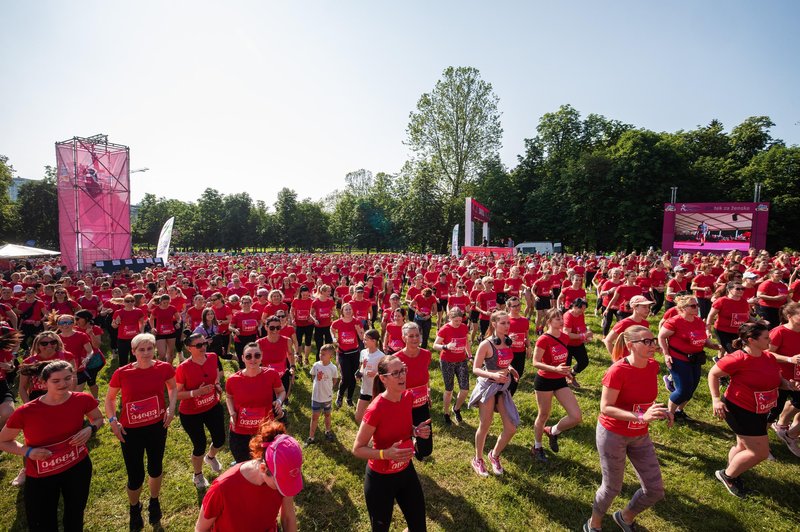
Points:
346	334
787	343
37	384
608	285
418	375
76	344
193	376
555	353
323	311
246	322
576	325
38	308
461	302
624	294
754	380
164	319
731	314
771	288
222	313
274	355
252	398
302	311
571	294
129	322
638	389
448	334
704	281
395	334
676	286
393	423
425	305
543	287
361	309
513	284
486	301
52	426
195	316
142	393
238	504
518	332
689	336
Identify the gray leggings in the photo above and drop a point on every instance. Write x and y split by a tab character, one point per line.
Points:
613	449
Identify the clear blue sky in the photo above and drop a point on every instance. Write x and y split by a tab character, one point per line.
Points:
256	96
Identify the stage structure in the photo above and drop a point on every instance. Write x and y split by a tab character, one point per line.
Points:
714	227
475	212
94	201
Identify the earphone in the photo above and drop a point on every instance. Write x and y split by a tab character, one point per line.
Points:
497	341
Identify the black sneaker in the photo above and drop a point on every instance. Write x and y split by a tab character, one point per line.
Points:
538	454
552	439
338	402
310	441
350	403
447	420
680	415
734	485
457	413
330	436
154	511
136	521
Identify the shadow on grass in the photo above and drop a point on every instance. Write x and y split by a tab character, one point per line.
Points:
684	511
334	509
448	510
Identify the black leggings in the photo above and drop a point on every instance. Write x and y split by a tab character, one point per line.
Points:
424	446
322	336
304	333
239	444
212	419
726	340
578	352
425	330
42	494
658	298
150	439
348	364
124	351
771	314
518	363
382	490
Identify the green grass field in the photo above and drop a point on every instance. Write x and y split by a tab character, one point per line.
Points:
556	496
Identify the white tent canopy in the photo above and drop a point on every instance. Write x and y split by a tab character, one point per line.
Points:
13	251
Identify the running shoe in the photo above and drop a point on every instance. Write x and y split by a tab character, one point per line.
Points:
480	467
733	485
19	480
553	439
574	382
587	527
338	402
780	430
200	481
680	415
447	420
791	443
136	521
330	436
538	454
668	384
310	441
621	522
497	468
350	403
154	511
457	413
213	463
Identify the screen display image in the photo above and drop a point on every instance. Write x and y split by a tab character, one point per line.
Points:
710	231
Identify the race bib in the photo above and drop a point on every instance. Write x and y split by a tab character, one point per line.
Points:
143	411
461	344
739	318
505	356
558	355
249	327
518	341
205	400
347	338
130	329
420	395
64	456
166	328
249	417
766	401
395	465
639	409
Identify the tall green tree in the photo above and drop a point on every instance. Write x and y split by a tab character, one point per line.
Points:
37	211
7	212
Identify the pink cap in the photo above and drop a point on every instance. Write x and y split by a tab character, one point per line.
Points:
284	459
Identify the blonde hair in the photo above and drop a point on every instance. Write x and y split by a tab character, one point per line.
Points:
683	301
618	349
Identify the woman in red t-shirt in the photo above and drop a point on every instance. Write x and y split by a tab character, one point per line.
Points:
164	320
451	341
322	313
772	295
393	339
616	347
244	326
128	322
575	327
755	377
78	343
251	494
199	391
424	306
348	333
727	314
142	421
252	395
784	343
627	407
57	459
550	358
521	344
390	473
418	361
276	351
301	317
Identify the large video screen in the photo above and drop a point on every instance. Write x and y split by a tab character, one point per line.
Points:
714	227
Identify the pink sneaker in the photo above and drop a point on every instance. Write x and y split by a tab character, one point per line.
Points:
497	469
480	467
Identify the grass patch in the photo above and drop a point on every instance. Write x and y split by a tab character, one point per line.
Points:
557	496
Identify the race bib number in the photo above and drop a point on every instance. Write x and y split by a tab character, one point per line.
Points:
143	411
166	328
205	400
739	318
639	409
248	417
347	338
396	465
249	327
766	401
420	395
518	341
129	329
461	344
64	456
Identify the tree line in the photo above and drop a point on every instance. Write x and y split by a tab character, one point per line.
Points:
590	182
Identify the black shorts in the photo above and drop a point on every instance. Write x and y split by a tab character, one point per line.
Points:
170	336
474	316
83	377
365	397
543	384
441	305
543	303
5	392
744	422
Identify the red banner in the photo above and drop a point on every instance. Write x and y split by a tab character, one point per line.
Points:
480	250
479	212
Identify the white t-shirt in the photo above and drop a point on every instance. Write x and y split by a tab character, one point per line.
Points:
369	362
323	376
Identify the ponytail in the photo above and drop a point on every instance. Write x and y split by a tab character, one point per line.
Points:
618	349
383	369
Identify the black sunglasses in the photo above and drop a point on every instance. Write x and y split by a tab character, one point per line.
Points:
252	356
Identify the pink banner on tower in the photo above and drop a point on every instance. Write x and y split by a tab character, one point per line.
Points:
93	201
479	212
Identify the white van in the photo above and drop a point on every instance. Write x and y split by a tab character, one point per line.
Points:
544	248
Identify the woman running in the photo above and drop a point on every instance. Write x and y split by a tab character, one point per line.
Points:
304	326
164	320
199	391
128	322
417	361
244	327
521	345
388	423
575	327
784	343
276	353
550	358
393	339
142	421
641	310
772	295
78	343
322	312
424	306
727	314
451	341
85	323
627	407
252	395
252	494
57	460
755	377
348	334
492	366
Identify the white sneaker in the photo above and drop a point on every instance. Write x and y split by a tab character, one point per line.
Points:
780	431
200	481
19	480
213	463
791	443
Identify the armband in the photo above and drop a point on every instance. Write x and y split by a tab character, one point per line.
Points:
28	452
380	453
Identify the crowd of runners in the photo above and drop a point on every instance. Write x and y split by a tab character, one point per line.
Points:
367	329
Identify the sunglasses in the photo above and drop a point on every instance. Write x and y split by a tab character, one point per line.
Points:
693	305
398	373
200	345
646	341
252	356
280	315
275	327
514	306
45	343
66	322
738	288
